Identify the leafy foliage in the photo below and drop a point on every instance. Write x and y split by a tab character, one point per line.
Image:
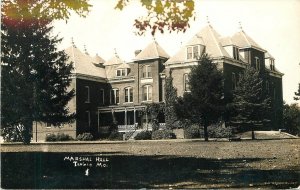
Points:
143	135
85	137
35	77
218	131
170	101
115	136
47	10
58	137
250	105
297	94
154	109
204	105
172	15
163	134
192	132
291	118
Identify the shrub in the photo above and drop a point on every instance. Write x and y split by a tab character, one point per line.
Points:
85	137
115	136
218	131
192	132
143	135
163	134
58	137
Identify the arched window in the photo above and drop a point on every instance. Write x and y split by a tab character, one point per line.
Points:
147	93
114	96
147	71
128	94
257	63
186	83
102	96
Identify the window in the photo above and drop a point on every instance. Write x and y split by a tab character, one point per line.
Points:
88	118
129	94
267	87
257	63
121	72
87	94
193	52
272	64
233	81
48	125
186	83
147	93
196	52
147	71
102	96
114	96
236	53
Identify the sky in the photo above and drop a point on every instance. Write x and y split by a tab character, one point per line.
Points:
273	24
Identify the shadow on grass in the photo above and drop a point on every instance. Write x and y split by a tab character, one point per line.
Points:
57	170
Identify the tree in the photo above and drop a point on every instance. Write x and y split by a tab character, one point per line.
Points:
250	105
204	105
154	109
291	118
170	101
297	94
172	15
35	77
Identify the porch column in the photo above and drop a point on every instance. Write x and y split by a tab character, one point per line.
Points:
98	121
125	118
134	115
147	120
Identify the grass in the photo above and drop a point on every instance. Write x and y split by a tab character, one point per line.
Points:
155	164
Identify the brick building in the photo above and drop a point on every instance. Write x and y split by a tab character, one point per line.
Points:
114	90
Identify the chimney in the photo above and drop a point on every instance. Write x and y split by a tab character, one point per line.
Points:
136	52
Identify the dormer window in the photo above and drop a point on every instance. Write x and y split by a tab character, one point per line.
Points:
236	53
193	52
272	65
257	63
122	72
147	71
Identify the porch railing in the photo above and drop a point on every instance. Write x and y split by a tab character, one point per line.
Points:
124	128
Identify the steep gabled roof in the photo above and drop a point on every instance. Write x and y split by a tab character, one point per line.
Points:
115	60
242	40
98	59
123	66
212	42
207	37
83	63
152	51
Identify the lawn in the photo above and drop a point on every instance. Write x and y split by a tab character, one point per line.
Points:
153	164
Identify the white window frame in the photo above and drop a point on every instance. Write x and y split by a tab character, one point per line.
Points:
185	83
88	94
146	73
122	72
148	97
113	93
233	80
193	54
236	55
257	63
127	93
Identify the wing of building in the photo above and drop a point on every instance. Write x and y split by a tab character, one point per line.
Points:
115	91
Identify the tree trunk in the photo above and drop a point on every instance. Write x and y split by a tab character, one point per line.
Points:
253	135
205	133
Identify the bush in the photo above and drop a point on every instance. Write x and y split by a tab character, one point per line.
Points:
218	131
115	136
163	134
192	132
85	137
58	137
143	135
